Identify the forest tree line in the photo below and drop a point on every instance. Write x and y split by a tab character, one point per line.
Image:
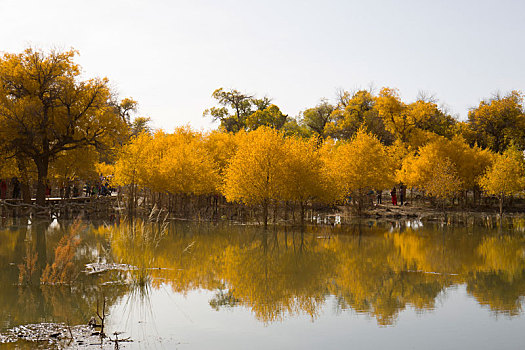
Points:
56	126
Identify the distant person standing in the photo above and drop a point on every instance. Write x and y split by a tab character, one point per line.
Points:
379	194
394	196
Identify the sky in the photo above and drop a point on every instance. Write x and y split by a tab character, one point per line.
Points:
171	55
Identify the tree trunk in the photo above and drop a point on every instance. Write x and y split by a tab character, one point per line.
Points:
24	180
302	213
42	165
501	204
265	213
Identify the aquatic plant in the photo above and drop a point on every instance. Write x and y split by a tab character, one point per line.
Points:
28	268
63	270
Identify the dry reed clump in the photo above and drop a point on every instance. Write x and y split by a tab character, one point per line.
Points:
28	268
63	269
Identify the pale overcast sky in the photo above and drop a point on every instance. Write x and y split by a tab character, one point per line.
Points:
171	55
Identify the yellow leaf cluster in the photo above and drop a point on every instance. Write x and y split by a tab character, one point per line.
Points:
444	161
78	163
168	163
506	175
255	173
359	165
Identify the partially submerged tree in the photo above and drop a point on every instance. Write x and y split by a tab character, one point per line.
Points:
359	166
302	176
255	173
505	177
46	109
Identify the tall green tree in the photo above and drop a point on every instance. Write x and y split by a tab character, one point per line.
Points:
240	111
318	117
234	108
270	116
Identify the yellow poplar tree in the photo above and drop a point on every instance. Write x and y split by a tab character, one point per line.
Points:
505	177
78	163
186	166
131	166
466	164
360	166
221	146
445	182
254	175
394	113
46	109
8	168
104	169
302	172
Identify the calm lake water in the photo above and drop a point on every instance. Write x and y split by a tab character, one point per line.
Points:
370	285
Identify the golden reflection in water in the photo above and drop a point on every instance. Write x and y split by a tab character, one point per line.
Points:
373	268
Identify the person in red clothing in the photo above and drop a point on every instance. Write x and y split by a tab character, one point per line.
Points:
394	196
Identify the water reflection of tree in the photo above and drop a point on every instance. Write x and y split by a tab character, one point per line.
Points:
276	277
372	268
373	277
369	268
32	302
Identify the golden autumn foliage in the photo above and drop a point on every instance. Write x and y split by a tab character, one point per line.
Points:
255	173
506	176
186	165
222	147
268	166
105	169
444	166
78	163
8	168
355	111
130	165
445	181
45	109
359	166
302	177
415	123
394	113
173	164
498	122
371	269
